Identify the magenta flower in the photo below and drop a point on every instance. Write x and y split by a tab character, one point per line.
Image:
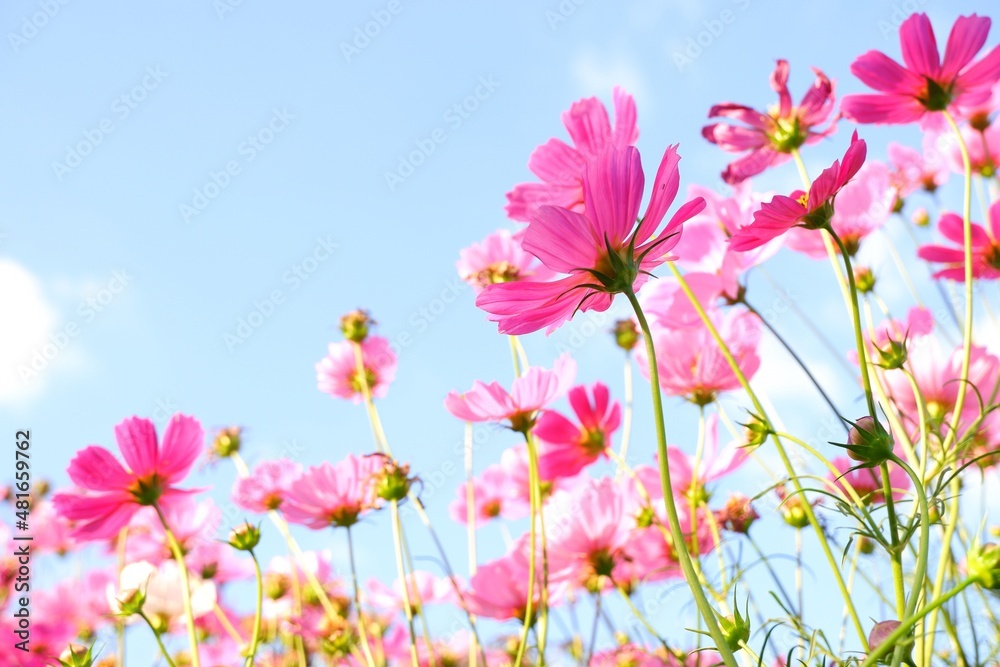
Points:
333	494
926	85
499	588
690	362
602	252
985	248
519	407
812	210
561	167
110	494
268	486
499	258
566	448
862	207
337	373
771	137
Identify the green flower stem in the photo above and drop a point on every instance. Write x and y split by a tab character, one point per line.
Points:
159	640
470	522
532	537
175	549
704	607
950	524
626	417
255	641
362	625
793	477
645	621
895	553
963	382
397	530
922	552
907	624
120	623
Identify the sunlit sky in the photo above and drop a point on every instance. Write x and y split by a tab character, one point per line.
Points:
169	169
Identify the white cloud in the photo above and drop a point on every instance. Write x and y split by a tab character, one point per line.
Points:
29	320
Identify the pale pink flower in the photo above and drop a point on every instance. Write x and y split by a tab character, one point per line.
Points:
690	362
161	585
333	494
337	373
915	170
771	137
927	84
652	558
519	407
632	656
867	482
983	147
587	533
811	210
499	258
267	486
421	586
494	495
985	248
601	252
57	536
110	494
861	207
711	465
499	588
561	167
514	463
566	448
192	522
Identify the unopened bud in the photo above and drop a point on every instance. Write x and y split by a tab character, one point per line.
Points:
227	442
755	431
792	509
868	442
865	545
920	217
735	628
355	325
245	537
880	633
864	279
738	514
393	481
131	601
983	565
626	334
77	655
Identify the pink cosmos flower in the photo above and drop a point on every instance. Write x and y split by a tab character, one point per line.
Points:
602	252
422	586
862	207
713	464
566	448
913	170
631	655
57	536
867	482
771	137
193	524
983	146
811	210
267	486
690	362
561	167
892	336
926	84
110	494
531	392
499	258
494	495
985	248
333	494
651	557
704	248
514	463
587	533
337	373
499	588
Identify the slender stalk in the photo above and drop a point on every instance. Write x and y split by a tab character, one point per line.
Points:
534	502
704	607
593	629
626	416
397	540
895	553
362	629
159	640
470	522
120	622
175	549
255	641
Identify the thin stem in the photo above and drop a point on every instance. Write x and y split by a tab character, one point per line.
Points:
159	640
178	554
397	542
677	535
362	630
120	622
593	629
470	521
626	416
254	642
532	537
895	553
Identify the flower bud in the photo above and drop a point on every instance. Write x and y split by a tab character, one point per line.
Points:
626	334
355	325
738	514
983	565
865	545
131	601
792	509
864	279
245	537
227	442
393	481
868	442
755	431
892	356
921	218
76	655
880	633
735	628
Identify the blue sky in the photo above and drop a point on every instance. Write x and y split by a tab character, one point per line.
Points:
170	169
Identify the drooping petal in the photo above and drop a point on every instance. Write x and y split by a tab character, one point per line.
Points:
779	83
626	131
